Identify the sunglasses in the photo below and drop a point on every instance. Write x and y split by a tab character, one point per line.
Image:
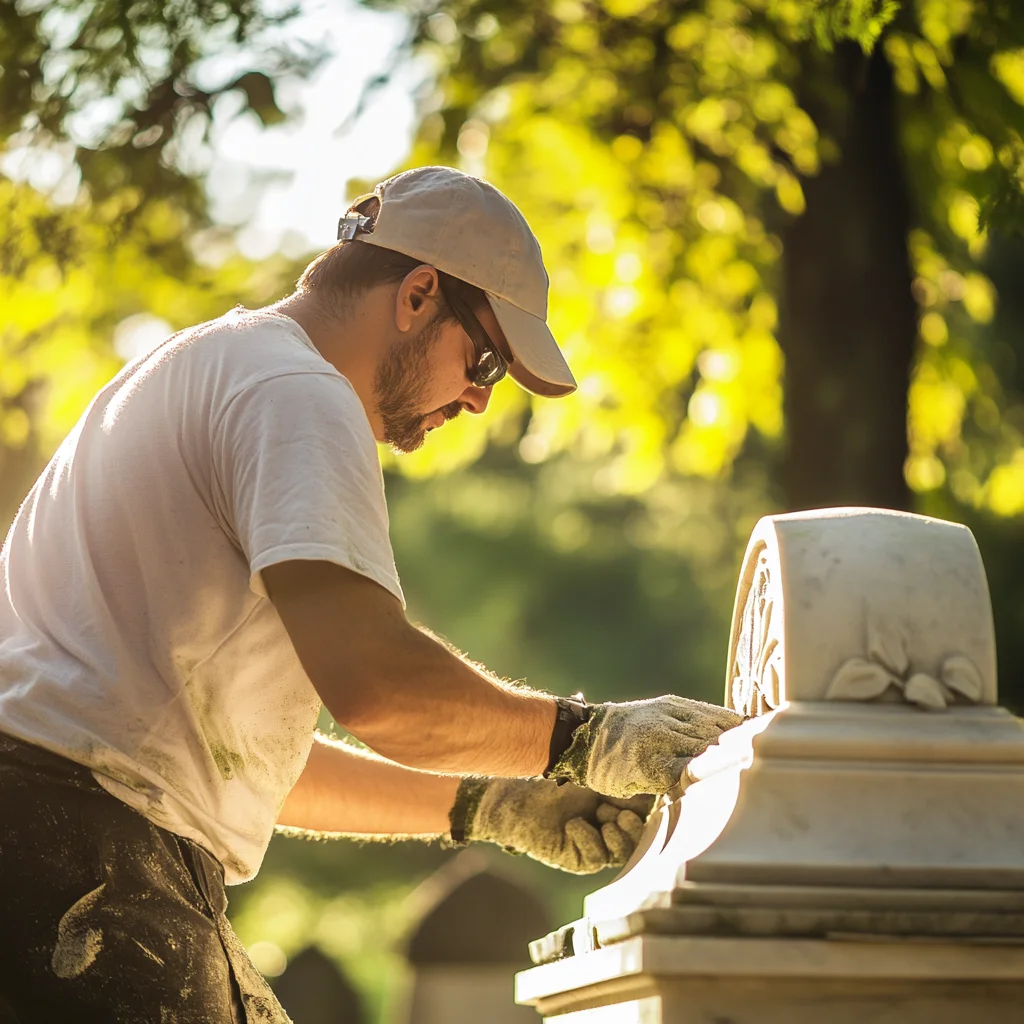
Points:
490	365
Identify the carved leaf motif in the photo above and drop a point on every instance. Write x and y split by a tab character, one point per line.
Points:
961	674
739	695
768	645
887	644
770	686
859	679
925	692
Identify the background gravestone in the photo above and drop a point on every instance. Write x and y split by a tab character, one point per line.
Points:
314	991
472	936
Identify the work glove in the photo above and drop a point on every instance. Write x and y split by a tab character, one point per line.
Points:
563	826
642	746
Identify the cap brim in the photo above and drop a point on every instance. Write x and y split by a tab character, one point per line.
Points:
539	366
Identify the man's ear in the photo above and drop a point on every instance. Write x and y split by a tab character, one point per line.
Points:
414	294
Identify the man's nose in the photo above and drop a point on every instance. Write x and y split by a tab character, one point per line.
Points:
475	399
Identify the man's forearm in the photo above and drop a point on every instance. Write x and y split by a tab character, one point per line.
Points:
431	709
344	790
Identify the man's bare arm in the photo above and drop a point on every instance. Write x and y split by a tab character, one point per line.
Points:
399	690
346	790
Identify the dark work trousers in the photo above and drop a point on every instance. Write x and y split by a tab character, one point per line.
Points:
104	917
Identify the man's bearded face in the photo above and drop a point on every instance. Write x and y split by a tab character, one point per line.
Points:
402	385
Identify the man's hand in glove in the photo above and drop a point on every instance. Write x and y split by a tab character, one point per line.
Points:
564	826
642	746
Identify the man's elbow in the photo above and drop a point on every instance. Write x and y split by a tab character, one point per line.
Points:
364	715
366	697
350	634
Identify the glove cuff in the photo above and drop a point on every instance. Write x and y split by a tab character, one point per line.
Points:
572	765
467	801
572	713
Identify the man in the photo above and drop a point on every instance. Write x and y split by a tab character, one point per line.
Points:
206	560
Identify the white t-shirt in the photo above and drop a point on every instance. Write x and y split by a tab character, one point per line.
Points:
135	633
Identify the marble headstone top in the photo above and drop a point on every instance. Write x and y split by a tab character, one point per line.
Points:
861	604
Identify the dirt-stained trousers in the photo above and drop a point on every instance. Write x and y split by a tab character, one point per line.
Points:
106	917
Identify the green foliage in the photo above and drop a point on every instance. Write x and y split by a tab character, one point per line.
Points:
658	147
126	81
112	90
645	200
513	568
832	21
961	74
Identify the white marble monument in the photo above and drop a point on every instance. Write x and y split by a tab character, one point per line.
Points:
852	852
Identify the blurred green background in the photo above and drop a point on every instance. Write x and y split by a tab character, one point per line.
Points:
782	240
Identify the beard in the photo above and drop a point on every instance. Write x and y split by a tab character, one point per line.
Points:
401	386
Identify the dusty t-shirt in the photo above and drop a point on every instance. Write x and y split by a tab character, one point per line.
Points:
135	633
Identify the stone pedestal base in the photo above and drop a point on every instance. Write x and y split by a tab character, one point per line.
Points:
703	980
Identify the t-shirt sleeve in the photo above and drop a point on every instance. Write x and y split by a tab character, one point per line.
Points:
297	477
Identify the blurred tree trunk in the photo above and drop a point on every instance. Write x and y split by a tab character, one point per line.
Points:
849	319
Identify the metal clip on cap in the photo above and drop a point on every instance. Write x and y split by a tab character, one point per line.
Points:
353	224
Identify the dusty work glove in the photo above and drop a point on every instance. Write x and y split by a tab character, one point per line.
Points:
642	746
561	825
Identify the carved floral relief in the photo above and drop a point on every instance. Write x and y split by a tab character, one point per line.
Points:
757	668
887	671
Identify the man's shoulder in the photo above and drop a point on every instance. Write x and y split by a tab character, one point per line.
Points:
249	338
262	363
246	348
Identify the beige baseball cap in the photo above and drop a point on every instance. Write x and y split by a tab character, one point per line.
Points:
467	228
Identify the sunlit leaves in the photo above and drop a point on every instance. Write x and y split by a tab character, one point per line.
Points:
961	423
637	144
970	57
121	85
1008	68
831	21
68	276
648	142
942	21
963	140
1004	493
